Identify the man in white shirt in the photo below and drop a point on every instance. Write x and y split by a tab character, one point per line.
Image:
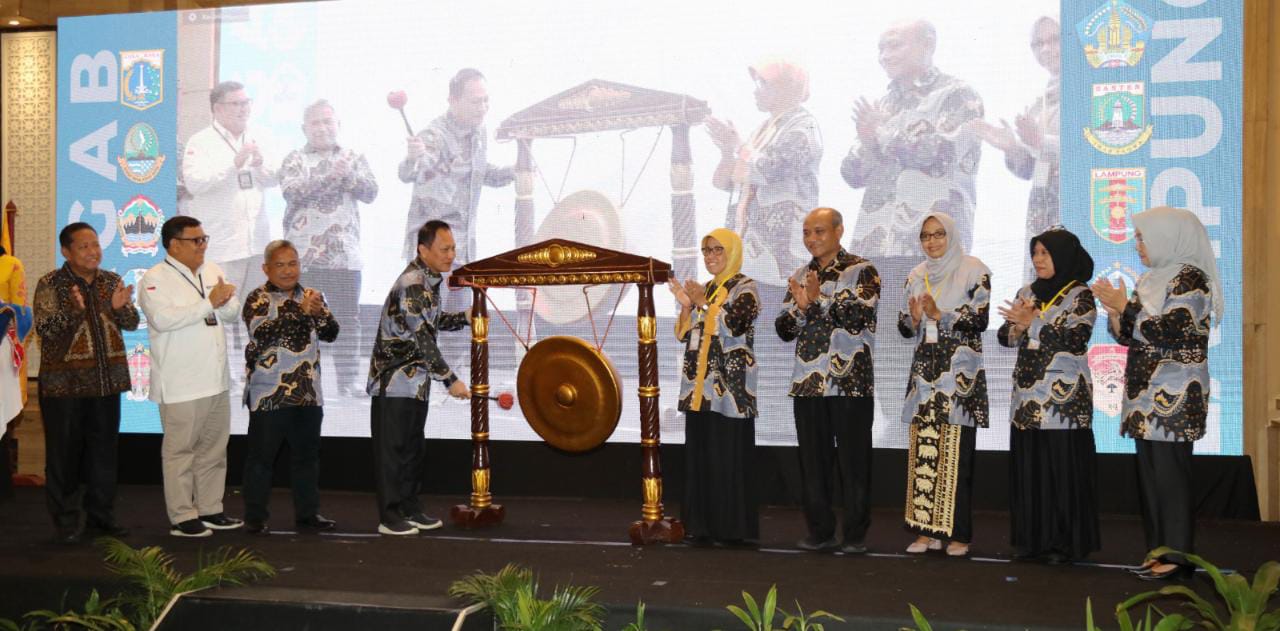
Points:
186	301
225	169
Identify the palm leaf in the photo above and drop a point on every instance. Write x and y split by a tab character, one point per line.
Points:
770	605
742	615
921	623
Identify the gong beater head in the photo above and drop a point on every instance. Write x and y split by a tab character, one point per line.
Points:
570	393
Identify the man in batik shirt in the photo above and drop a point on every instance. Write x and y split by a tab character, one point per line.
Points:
286	324
323	182
406	359
446	163
914	154
830	313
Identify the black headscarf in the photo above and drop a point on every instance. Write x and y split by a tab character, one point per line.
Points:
1070	262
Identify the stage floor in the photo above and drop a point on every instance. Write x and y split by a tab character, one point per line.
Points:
584	542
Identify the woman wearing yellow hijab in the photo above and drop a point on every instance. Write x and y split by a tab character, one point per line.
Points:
718	396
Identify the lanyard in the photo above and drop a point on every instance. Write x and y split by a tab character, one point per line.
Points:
927	286
1048	305
199	289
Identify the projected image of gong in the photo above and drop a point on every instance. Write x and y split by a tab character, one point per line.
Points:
570	393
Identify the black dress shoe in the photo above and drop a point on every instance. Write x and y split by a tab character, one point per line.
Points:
316	522
68	536
812	544
1178	573
1143	569
853	548
256	528
1057	558
698	542
737	544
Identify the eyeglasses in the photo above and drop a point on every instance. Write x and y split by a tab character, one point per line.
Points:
939	235
195	240
714	249
240	103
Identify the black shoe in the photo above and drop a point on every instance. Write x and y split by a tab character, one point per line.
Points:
399	527
737	544
1143	569
190	528
315	522
1025	556
110	529
854	548
698	542
221	522
421	521
256	528
1057	558
1178	573
68	536
812	544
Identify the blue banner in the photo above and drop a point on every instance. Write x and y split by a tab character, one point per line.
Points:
1152	116
117	120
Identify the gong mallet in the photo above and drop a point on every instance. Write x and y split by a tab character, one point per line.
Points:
397	100
505	400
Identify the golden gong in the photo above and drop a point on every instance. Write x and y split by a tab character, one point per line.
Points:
570	393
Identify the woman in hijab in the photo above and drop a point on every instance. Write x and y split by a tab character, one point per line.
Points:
1165	324
1053	483
718	396
946	313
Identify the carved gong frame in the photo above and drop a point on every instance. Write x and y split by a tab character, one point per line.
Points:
564	262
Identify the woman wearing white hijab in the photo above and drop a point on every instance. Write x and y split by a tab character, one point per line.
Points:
946	313
1165	324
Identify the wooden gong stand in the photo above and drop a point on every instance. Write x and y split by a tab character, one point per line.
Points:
564	262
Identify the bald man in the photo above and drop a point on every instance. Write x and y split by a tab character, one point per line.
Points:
913	154
830	313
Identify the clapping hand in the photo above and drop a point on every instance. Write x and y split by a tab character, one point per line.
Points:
312	303
916	306
1001	137
724	135
930	307
77	299
221	293
798	294
867	118
121	295
1112	298
811	286
1029	131
1020	312
680	294
696	292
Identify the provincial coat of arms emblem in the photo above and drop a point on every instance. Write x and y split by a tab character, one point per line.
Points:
139	221
1114	35
1118	118
139	373
141	78
1106	362
142	158
1115	196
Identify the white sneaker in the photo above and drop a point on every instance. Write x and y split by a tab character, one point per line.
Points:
397	528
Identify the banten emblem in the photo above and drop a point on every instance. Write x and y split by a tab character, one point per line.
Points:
1118	118
1116	195
142	158
141	78
1106	362
139	373
140	221
1114	35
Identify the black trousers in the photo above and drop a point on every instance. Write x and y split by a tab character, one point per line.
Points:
341	289
6	464
80	438
835	431
1164	485
399	451
268	431
720	499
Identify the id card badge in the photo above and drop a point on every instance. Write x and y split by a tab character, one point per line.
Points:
246	179
695	338
930	332
211	320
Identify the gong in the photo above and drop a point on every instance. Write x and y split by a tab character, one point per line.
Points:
569	392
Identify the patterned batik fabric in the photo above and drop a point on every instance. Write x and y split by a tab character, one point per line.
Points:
1167	370
405	355
282	358
933	471
82	352
1040	165
925	160
1052	384
446	183
835	335
948	382
783	181
721	367
322	214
